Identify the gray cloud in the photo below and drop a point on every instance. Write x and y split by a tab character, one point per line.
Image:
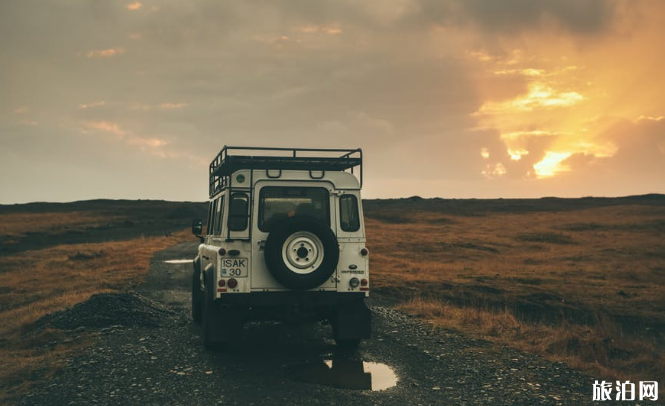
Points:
516	16
640	153
180	79
240	73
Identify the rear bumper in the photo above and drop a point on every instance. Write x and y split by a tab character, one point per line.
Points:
290	306
347	312
289	299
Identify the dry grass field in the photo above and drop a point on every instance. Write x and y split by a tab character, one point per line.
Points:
15	224
37	278
35	283
577	280
582	282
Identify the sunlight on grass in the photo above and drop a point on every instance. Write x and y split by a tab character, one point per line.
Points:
585	286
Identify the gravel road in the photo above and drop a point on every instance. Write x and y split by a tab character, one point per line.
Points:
150	353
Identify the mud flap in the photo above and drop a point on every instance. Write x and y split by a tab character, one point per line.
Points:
352	322
221	323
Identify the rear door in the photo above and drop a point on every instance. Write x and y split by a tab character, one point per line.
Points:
278	200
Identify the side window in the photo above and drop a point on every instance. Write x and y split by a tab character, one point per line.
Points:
212	218
348	213
238	209
209	218
220	216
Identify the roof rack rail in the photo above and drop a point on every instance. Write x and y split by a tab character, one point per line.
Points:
314	159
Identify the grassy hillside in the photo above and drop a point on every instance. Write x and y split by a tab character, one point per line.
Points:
38	225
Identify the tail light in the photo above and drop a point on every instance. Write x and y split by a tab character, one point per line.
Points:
364	252
363	282
354	282
222	251
221	283
233	283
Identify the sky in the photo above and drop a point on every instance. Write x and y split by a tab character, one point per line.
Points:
447	98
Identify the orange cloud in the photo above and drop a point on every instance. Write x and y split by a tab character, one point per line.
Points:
106	126
572	107
480	56
539	95
152	144
147	142
134	6
172	105
520	134
279	42
649	118
525	72
104	53
92	105
325	29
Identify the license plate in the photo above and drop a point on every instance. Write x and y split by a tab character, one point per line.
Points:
234	267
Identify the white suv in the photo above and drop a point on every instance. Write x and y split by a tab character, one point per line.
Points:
285	241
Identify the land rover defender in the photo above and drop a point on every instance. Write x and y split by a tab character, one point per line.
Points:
285	241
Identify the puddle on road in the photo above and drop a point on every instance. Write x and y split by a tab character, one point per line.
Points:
346	374
178	261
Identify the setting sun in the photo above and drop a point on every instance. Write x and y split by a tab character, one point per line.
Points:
551	164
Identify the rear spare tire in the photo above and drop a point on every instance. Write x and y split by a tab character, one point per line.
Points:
301	253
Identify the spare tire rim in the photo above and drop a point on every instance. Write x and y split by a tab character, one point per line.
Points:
302	252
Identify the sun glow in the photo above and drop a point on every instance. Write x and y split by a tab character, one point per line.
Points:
539	96
561	111
551	164
516	154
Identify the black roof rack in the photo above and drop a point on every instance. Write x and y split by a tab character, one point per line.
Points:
229	161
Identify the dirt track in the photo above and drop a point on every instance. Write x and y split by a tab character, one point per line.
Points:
163	362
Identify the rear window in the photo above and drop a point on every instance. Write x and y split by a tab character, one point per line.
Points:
279	203
348	213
